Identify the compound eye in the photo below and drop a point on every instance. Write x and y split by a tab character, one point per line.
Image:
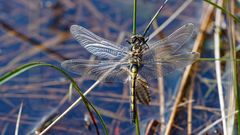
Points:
133	39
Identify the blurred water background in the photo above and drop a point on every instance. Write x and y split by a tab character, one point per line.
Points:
38	30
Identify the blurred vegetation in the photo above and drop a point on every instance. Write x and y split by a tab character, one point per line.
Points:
188	102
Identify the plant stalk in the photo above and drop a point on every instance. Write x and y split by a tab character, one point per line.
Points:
153	18
134	17
137	123
232	43
217	42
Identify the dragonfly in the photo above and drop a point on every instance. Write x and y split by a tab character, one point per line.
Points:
138	60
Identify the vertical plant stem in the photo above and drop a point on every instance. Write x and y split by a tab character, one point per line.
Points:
137	123
217	42
133	105
190	106
231	107
230	7
134	17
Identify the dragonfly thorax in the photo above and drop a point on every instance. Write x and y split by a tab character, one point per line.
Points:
139	45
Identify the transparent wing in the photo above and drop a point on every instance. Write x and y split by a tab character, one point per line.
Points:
173	44
95	69
154	68
97	45
142	91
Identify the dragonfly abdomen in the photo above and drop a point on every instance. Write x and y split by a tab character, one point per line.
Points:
134	71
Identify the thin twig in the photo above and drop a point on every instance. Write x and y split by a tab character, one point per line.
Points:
18	119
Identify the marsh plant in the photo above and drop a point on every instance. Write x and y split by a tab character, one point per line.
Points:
142	59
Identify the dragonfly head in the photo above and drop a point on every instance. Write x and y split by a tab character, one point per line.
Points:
138	42
138	39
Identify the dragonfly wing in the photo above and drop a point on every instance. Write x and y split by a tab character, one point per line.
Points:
154	68
97	45
173	44
142	91
97	68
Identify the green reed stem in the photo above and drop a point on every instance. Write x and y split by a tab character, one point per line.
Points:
220	59
137	123
134	17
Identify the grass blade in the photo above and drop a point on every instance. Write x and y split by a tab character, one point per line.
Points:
16	72
154	17
223	10
28	66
